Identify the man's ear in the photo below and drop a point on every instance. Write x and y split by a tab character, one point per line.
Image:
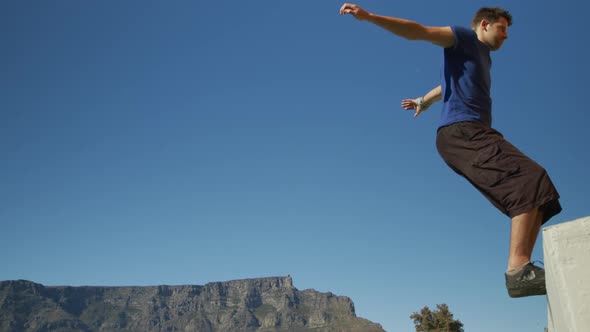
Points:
484	24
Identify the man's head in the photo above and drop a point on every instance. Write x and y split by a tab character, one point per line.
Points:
491	26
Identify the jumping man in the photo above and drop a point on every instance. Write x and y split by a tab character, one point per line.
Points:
511	181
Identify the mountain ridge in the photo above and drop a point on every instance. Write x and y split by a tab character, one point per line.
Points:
256	304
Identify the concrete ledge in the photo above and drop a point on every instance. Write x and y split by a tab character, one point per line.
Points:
566	248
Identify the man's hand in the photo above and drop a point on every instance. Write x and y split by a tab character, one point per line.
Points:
354	10
414	104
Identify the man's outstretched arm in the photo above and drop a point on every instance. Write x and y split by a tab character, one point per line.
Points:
441	36
421	104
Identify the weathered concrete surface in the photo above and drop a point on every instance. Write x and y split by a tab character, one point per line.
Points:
567	270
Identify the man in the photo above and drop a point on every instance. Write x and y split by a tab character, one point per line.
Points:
511	181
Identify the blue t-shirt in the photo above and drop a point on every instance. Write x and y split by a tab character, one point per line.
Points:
465	80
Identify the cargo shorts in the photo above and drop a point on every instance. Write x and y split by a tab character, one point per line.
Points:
511	181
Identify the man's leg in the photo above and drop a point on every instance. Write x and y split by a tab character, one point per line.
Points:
523	235
522	277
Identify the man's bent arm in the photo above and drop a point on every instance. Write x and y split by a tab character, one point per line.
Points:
441	36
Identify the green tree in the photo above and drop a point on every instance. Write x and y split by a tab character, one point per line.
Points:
440	320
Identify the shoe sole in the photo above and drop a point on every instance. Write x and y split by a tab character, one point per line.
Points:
523	292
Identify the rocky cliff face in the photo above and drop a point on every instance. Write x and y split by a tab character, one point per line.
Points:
265	304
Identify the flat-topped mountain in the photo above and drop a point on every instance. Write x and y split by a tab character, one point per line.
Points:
264	304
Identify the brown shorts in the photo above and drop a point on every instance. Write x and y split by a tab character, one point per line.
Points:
510	180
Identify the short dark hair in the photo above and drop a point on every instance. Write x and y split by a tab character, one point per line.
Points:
492	14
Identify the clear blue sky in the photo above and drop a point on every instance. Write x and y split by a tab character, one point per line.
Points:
185	142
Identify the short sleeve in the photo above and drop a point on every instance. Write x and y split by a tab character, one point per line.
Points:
463	37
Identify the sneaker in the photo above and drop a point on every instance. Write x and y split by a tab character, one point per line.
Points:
529	280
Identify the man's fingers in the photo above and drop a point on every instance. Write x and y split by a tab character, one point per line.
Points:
345	9
418	111
349	8
408	104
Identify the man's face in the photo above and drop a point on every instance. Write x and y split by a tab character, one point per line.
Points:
494	34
